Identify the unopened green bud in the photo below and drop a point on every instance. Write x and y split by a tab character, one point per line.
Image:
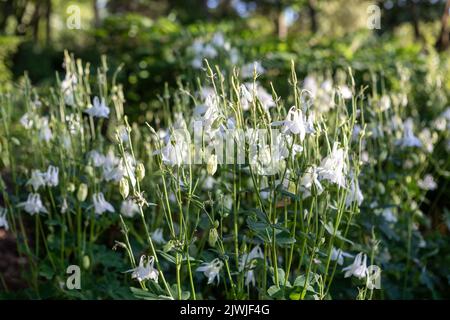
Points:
213	236
168	246
140	171
82	192
124	187
86	262
211	167
89	171
71	187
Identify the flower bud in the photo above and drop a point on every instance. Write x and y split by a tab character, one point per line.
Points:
82	192
89	171
86	262
140	171
70	187
124	187
211	167
213	236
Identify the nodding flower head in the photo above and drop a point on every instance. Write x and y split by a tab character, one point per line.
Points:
99	109
358	268
145	270
33	204
51	176
100	204
211	270
3	220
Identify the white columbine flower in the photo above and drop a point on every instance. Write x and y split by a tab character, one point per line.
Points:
3	221
339	255
294	123
67	88
96	158
37	180
45	133
354	194
309	179
248	69
145	270
358	268
427	183
26	121
51	176
33	204
409	139
129	208
211	270
100	204
333	167
99	109
389	215
345	92
247	260
157	236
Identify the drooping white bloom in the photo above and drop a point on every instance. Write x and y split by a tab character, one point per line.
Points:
247	259
99	109
33	204
427	183
67	88
173	154
64	206
333	167
309	179
354	194
384	103
3	220
294	123
96	158
157	236
247	263
114	168
248	69
45	133
145	270
345	92
51	176
246	97
211	270
339	255
265	161
409	139
250	92
358	268
100	204
388	215
428	139
26	121
37	180
129	208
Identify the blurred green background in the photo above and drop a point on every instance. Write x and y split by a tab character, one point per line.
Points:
151	38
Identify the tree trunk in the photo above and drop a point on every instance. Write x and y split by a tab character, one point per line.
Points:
35	21
48	29
442	42
415	21
313	15
96	14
